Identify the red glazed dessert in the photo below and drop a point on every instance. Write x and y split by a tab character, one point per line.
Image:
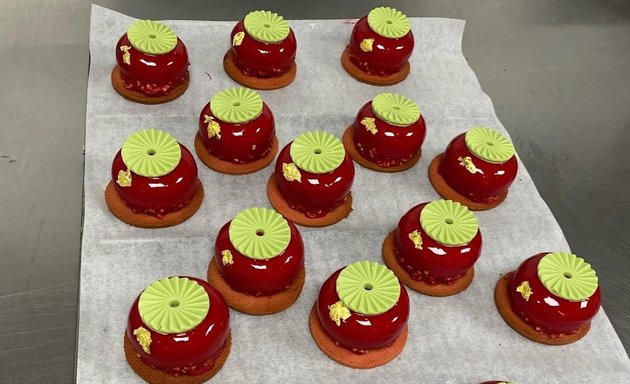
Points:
154	181
360	317
263	49
312	180
476	169
237	132
152	64
178	332
434	248
259	262
380	47
550	298
387	134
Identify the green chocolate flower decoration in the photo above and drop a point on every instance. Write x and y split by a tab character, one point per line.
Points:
259	233
395	109
317	152
368	287
567	276
152	37
489	145
266	26
448	222
388	22
236	105
151	153
173	305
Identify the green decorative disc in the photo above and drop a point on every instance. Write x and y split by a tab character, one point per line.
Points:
173	305
395	109
266	27
448	222
368	287
152	37
151	153
388	22
259	233
567	276
236	105
489	145
317	152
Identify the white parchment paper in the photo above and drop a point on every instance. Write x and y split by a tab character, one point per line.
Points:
460	339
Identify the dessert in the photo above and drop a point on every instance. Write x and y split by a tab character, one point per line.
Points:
263	49
380	47
312	180
387	134
154	181
236	133
434	248
498	382
178	332
152	64
258	262
360	317
550	298
476	169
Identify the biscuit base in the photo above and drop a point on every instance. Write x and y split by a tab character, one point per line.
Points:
438	290
502	301
282	206
363	77
255	305
157	376
261	83
444	190
122	211
230	168
139	97
348	143
371	359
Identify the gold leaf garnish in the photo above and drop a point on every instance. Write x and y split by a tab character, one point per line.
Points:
226	257
238	39
416	239
214	128
124	178
338	312
366	45
370	124
126	54
291	172
468	163
525	290
144	338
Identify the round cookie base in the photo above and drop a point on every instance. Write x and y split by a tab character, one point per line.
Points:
141	98
122	211
261	83
363	77
230	168
502	301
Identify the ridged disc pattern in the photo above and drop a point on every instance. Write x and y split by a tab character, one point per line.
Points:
395	109
489	145
259	233
368	287
567	276
151	153
152	37
236	105
173	305
448	222
266	26
317	152
388	22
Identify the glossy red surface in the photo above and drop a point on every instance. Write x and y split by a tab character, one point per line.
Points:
544	311
239	143
158	195
260	277
434	263
359	332
187	352
391	145
387	55
152	75
316	194
255	58
484	186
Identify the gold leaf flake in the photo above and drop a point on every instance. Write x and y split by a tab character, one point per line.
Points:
416	239
370	124
525	290
126	54
214	128
338	312
238	39
124	178
291	172
468	163
144	338
366	45
226	257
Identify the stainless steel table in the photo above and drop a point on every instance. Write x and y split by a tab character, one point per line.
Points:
558	73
